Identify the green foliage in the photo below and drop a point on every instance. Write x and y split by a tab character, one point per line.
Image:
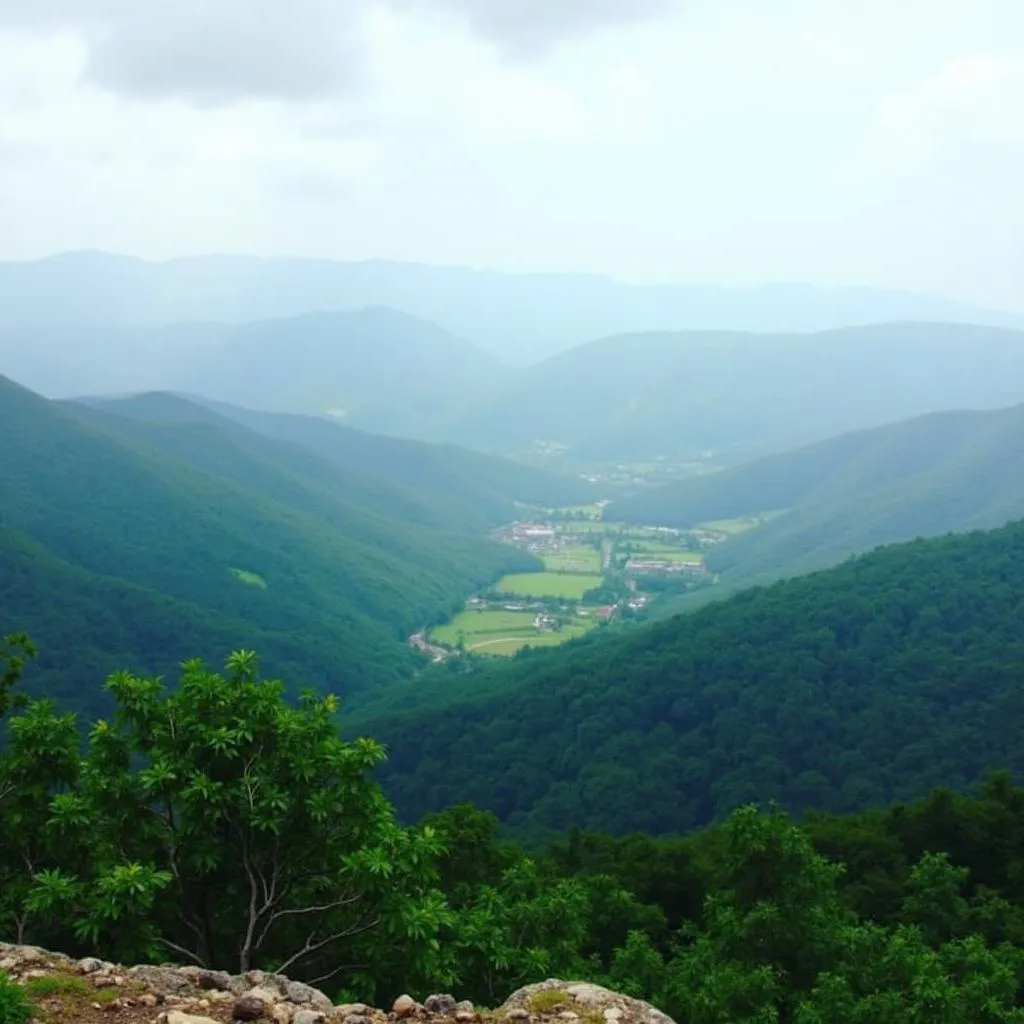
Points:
877	680
15	1007
118	540
14	650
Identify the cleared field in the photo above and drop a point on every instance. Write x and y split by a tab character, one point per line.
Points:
471	626
250	579
548	584
580	560
502	633
656	553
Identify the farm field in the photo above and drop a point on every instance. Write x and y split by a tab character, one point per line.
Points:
548	584
579	560
502	633
664	554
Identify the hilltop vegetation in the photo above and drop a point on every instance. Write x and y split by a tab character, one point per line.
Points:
126	542
927	476
866	683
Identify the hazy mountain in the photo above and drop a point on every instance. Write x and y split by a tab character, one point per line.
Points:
871	682
377	368
229	535
931	475
442	485
520	317
647	394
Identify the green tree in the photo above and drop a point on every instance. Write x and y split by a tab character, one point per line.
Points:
253	829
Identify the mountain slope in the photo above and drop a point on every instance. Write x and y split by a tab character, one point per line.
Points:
375	368
927	476
241	541
522	318
451	486
869	682
747	394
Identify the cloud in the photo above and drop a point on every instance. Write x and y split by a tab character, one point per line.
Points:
218	51
528	27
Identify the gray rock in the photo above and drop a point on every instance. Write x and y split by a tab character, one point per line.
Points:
465	1005
585	995
161	979
301	993
90	965
439	1004
357	1018
308	1017
518	1013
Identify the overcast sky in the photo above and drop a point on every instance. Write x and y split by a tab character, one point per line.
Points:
729	141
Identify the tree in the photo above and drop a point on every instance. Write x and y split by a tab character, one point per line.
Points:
15	650
265	841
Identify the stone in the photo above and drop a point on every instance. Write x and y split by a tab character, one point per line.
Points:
464	1016
301	993
518	1013
308	1017
568	1015
465	1004
281	1013
179	1017
219	981
356	1018
90	965
612	1014
345	1009
161	979
148	999
265	994
249	1007
589	996
404	1006
439	1004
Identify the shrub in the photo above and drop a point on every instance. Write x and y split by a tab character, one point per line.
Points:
14	1005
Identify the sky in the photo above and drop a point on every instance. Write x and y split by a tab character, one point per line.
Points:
873	142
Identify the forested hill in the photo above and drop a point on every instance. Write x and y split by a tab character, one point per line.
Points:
922	477
466	489
872	681
135	552
641	395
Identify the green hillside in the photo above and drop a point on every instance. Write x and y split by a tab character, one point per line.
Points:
229	546
439	484
869	682
742	395
927	476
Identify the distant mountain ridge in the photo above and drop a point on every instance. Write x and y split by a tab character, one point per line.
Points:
522	318
740	394
950	471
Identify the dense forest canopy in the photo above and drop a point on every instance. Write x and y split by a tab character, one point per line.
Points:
869	682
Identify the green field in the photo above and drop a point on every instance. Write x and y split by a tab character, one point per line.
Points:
502	633
548	584
578	560
652	551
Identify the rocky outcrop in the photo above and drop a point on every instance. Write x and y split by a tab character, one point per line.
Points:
91	991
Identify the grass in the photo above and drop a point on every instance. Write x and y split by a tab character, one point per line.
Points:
58	985
250	579
657	554
500	633
540	1002
548	584
579	560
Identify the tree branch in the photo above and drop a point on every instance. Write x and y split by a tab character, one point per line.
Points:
312	947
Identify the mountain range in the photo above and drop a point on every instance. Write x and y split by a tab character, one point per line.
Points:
520	318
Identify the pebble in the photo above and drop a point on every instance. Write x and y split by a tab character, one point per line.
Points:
404	1006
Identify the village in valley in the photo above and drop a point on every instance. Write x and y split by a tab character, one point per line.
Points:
596	573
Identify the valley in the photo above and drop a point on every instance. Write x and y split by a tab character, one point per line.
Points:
596	573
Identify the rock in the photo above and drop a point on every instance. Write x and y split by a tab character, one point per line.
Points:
465	1004
90	965
568	1015
356	1018
178	1017
464	1016
250	1007
219	981
168	980
439	1004
301	993
347	1009
265	994
586	996
148	999
281	1013
403	1006
612	1014
308	1017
